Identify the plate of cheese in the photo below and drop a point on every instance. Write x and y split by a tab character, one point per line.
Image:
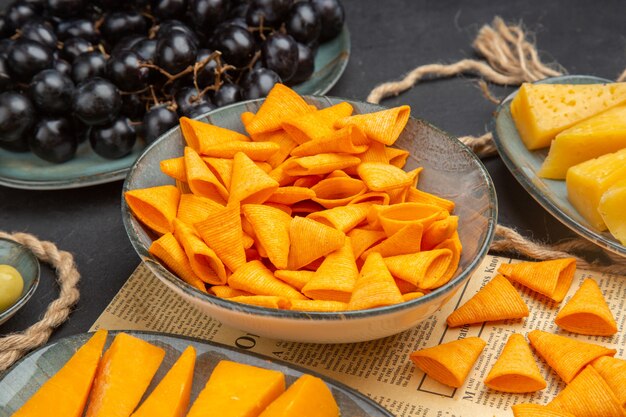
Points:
150	374
564	140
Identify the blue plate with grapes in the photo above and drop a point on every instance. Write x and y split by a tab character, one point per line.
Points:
27	171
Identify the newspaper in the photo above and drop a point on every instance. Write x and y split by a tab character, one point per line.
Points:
380	369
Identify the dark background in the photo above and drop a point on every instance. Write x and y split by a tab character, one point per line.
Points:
389	38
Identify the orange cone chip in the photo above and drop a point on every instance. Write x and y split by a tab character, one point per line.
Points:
291	195
201	179
449	363
318	305
550	278
515	370
343	218
380	198
422	269
317	124
249	183
193	209
281	104
383	126
418	196
280	175
397	157
375	153
375	286
319	164
613	371
155	207
587	312
183	187
308	181
588	395
174	168
224	291
257	151
255	278
454	245
498	300
222	168
406	241
397	195
350	139
536	410
337	191
380	176
284	142
412	295
305	207
404	286
201	135
271	226
297	279
268	301
204	262
565	355
334	279
221	231
439	231
362	239
311	240
282	207
169	251
246	117
394	217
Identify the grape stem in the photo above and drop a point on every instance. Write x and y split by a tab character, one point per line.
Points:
153	94
128	93
261	29
248	67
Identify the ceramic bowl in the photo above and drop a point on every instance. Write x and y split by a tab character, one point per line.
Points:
22	259
451	170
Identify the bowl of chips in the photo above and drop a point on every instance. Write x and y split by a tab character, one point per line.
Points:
311	219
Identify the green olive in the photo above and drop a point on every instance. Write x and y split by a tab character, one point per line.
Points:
11	286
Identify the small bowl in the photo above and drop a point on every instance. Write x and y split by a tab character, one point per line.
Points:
451	170
22	259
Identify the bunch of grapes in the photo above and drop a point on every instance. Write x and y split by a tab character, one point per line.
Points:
112	71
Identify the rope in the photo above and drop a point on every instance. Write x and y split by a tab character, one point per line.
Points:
510	241
14	346
510	58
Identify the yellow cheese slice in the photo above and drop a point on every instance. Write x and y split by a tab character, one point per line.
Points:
594	137
541	111
238	390
307	397
588	181
611	209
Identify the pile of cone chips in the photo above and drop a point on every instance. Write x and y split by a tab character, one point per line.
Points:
312	211
596	380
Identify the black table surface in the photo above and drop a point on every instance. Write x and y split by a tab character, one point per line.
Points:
389	38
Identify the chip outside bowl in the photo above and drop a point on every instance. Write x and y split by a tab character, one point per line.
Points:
22	259
450	169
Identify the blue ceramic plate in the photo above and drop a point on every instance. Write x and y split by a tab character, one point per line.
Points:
524	164
25	170
22	259
25	377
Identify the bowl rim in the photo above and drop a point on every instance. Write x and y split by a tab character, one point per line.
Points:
315	315
26	295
